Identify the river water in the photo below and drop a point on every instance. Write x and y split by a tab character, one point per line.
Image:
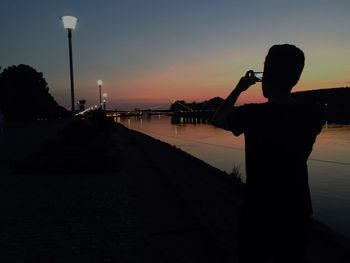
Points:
329	163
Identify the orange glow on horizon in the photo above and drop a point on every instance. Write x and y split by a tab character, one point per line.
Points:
205	78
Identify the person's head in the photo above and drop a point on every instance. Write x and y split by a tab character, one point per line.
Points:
282	69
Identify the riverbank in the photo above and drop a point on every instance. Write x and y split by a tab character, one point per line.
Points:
149	202
216	200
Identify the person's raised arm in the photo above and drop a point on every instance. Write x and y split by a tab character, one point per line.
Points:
219	118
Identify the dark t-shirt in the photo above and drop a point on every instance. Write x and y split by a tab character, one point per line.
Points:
278	142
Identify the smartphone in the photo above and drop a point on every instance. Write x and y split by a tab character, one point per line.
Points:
258	75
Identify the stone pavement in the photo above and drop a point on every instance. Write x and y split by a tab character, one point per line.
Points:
133	214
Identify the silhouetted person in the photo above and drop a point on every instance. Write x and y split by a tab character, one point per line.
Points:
279	136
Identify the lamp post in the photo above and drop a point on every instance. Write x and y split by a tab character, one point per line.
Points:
69	23
104	100
99	83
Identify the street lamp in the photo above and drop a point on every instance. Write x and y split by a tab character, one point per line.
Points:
69	23
99	83
104	100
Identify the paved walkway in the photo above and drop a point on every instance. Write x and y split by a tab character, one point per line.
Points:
132	214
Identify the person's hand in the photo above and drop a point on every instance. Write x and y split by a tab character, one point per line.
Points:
246	81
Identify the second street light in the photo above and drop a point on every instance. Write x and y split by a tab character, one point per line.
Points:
99	83
69	23
104	100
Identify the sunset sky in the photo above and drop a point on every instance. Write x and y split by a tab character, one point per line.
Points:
150	52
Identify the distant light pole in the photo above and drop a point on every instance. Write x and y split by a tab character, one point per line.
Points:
105	95
69	23
99	83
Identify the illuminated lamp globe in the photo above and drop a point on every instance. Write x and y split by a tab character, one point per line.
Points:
69	22
105	95
99	82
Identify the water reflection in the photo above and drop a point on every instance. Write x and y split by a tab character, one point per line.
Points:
117	119
175	131
189	120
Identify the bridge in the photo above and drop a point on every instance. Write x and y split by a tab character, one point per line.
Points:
181	114
127	113
139	113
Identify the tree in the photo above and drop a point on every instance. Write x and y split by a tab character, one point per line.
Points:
24	95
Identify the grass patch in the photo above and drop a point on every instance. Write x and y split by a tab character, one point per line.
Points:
235	174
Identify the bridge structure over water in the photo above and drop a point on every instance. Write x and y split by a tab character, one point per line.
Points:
128	113
181	113
187	114
140	113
